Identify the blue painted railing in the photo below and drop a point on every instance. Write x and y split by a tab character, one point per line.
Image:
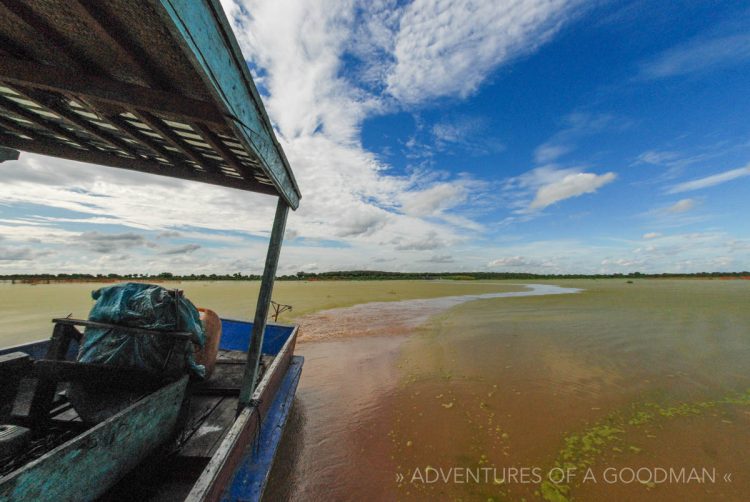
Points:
235	335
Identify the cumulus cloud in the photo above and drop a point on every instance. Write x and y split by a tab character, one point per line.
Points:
297	50
513	261
426	243
17	254
651	235
187	248
571	185
168	234
435	200
710	181
110	243
549	185
440	259
448	47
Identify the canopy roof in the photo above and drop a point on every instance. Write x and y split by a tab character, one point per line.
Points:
158	86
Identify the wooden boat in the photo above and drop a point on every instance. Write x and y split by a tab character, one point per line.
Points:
204	448
159	87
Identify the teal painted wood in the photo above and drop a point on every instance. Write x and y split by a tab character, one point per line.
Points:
86	466
210	44
251	476
250	378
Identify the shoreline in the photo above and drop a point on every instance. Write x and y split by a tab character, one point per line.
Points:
400	316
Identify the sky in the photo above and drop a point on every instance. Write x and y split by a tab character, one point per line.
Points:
546	136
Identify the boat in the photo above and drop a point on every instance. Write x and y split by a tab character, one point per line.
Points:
159	87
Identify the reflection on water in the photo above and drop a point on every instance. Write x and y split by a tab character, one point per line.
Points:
614	376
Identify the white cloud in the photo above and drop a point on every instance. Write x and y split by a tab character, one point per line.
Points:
548	185
651	235
435	200
698	55
658	157
549	152
347	190
710	181
575	126
296	50
19	254
681	206
184	249
513	261
440	259
571	185
449	47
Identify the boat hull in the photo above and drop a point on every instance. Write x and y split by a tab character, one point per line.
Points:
84	467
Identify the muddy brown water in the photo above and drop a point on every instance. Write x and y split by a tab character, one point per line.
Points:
526	382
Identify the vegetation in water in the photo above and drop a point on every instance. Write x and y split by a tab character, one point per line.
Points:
581	451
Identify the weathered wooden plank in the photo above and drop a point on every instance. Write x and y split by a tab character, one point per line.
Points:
55	149
202	29
86	466
251	476
14	364
175	140
138	135
207	437
92	15
44	393
55	103
39	121
100	374
51	35
180	335
223	464
13	367
250	377
97	88
223	150
8	154
15	127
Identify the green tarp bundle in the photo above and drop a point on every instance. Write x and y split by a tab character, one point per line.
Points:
145	306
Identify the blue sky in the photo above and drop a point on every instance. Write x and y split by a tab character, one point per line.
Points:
550	136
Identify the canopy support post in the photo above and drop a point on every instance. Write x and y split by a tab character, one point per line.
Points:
249	380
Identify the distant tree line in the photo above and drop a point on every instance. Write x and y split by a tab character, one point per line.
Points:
348	275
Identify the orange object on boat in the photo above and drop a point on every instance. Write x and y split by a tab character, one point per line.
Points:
212	327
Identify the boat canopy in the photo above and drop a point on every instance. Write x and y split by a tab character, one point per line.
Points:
157	86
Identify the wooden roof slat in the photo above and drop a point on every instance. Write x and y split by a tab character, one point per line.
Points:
128	128
96	88
56	149
91	14
56	104
174	139
229	157
13	107
12	125
26	13
203	29
158	86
